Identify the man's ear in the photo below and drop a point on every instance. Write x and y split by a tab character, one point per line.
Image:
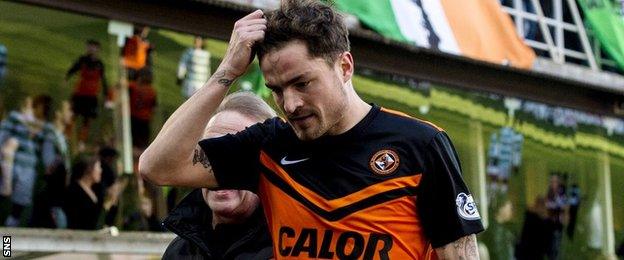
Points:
346	66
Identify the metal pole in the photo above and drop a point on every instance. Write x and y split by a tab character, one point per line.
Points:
478	157
608	247
122	30
125	122
114	55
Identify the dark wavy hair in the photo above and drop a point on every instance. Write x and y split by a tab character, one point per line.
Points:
313	22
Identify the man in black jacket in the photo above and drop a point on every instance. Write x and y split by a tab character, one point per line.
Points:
223	224
198	238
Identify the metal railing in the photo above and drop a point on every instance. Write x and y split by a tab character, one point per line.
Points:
546	30
29	241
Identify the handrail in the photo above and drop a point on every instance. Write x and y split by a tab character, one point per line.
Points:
28	240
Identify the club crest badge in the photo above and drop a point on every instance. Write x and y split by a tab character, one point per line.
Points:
466	207
384	162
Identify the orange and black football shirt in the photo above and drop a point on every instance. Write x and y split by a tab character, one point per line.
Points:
389	188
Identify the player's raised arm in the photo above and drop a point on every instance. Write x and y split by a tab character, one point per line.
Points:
174	158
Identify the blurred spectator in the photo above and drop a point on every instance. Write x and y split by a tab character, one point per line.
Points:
534	238
150	202
194	68
3	62
47	210
136	52
108	159
2	108
142	104
574	201
556	202
20	126
504	158
68	112
42	112
556	199
145	218
82	206
91	81
620	251
149	216
7	156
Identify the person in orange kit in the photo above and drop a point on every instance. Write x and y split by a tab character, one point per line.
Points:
338	178
142	105
136	52
91	81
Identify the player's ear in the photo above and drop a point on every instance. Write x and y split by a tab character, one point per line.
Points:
346	66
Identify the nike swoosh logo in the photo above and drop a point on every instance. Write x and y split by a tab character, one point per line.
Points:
287	162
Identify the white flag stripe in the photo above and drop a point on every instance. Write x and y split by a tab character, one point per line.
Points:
436	13
410	19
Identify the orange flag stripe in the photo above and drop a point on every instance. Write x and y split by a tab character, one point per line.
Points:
483	31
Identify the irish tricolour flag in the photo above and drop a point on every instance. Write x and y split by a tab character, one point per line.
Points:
475	28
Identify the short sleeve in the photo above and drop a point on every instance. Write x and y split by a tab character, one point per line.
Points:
235	157
446	207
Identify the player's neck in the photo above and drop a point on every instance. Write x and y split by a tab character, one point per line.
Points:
355	111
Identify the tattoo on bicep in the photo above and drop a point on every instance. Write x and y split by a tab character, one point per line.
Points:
471	247
459	246
220	77
200	157
463	248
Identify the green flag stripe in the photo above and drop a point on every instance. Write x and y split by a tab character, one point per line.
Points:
608	26
377	15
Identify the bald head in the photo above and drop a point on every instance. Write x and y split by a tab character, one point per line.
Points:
228	122
238	111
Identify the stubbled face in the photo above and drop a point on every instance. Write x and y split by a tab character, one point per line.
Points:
228	202
310	93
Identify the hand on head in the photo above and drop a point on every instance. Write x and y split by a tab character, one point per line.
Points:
247	32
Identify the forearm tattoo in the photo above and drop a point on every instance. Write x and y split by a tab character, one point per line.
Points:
220	77
463	248
200	157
